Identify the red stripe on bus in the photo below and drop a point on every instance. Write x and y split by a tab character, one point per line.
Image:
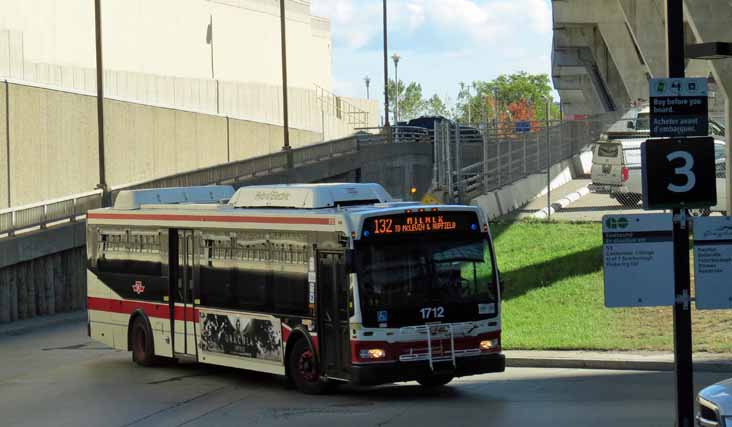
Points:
214	218
160	311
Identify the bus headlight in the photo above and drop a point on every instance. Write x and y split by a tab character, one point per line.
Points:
489	345
372	353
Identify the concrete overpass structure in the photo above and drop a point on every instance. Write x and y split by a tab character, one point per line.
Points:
605	51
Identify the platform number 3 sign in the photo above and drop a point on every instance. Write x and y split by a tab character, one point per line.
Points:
678	173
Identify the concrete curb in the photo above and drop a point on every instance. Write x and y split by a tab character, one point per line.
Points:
562	203
22	327
613	364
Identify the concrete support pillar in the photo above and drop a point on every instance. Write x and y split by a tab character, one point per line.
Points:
728	150
626	58
709	22
646	21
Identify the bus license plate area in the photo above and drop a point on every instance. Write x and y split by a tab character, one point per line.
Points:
441	356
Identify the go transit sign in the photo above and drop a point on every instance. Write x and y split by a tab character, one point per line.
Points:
637	253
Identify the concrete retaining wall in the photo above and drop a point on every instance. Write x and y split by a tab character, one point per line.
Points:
54	149
511	197
43	273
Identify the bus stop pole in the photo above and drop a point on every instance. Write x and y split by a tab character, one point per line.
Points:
682	305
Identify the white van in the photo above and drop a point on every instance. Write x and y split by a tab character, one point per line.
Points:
616	170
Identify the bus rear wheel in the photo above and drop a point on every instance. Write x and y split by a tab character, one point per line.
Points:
435	380
303	369
142	343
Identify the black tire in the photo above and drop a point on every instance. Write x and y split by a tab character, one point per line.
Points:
304	370
141	341
435	380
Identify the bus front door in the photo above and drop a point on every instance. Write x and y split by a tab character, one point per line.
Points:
182	262
334	341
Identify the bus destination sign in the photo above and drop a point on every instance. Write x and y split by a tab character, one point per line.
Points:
421	223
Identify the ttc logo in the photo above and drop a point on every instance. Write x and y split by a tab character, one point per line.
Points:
138	287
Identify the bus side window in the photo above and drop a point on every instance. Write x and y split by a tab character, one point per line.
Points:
290	279
144	254
112	251
216	272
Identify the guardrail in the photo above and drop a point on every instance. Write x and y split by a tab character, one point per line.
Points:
508	156
399	134
71	208
241	170
41	214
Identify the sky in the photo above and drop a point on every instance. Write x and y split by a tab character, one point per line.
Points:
441	42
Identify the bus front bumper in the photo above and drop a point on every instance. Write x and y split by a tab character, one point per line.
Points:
381	373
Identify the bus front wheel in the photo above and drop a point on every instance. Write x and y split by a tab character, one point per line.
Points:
435	380
142	343
303	369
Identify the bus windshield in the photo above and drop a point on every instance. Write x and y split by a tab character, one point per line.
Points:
411	282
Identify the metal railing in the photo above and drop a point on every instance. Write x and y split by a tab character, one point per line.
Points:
40	215
399	134
241	170
507	156
342	110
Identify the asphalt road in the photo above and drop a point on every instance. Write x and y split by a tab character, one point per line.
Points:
57	376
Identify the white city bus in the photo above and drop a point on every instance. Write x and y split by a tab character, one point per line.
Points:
324	283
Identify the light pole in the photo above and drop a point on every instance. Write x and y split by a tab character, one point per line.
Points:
386	79
286	119
396	59
367	80
100	103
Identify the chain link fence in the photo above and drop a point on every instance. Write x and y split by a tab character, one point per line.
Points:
474	160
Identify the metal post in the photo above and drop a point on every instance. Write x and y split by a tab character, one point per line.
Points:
450	182
286	118
510	163
210	40
7	136
548	166
682	307
435	156
728	150
458	161
524	154
498	161
285	106
396	86
386	79
100	103
485	160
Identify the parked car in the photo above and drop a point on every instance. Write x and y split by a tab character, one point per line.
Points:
468	134
616	162
715	405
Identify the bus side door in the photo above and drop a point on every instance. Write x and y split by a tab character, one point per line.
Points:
333	328
182	265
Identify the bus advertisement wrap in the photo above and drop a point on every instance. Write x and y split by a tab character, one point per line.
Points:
241	335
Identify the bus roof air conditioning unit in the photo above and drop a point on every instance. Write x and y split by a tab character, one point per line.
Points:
134	199
309	196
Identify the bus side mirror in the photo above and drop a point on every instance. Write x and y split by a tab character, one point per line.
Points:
631	125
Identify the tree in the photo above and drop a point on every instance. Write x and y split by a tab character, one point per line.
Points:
436	107
410	100
506	93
